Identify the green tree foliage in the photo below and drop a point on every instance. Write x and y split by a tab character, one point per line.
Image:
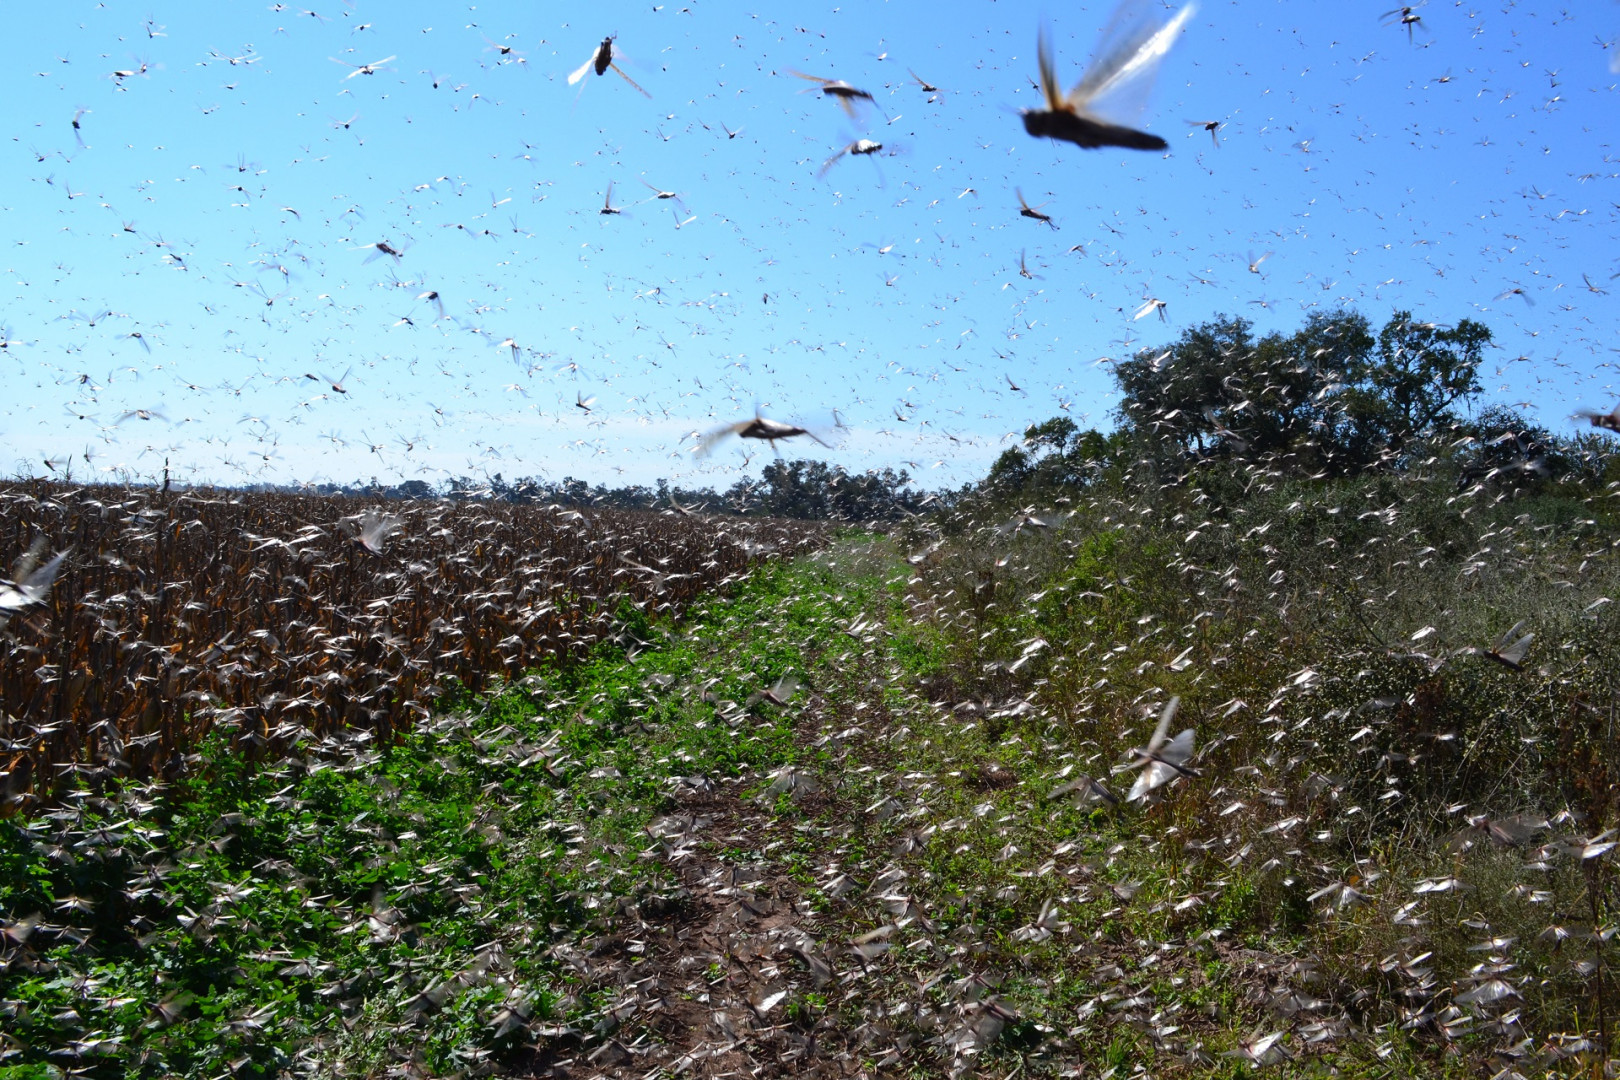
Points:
1502	450
813	490
1054	455
1409	386
810	490
1330	397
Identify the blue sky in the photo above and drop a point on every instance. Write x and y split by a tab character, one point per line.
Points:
230	189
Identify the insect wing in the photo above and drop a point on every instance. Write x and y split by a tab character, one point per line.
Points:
1179	750
1514	654
629	80
1488	992
579	73
32	584
707	444
1157	742
827	165
1514	830
1096	792
1595	848
1508	650
1049	83
1163	760
24	566
784	689
1155	776
1130	52
1262	1046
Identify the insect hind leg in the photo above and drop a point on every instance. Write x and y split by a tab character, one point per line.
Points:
631	81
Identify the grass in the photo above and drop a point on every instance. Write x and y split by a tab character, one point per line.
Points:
1335	757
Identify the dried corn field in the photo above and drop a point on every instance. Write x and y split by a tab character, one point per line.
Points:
272	618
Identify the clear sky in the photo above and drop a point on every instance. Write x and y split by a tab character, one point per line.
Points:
234	169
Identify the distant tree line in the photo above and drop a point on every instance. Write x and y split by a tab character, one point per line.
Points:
1331	399
810	490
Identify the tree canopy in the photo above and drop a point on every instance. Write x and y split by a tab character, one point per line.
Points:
1331	396
1055	454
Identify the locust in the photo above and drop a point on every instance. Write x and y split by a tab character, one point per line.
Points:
1125	58
602	59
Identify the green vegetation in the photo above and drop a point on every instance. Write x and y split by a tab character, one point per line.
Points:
619	865
1329	396
356	905
865	813
1332	399
804	489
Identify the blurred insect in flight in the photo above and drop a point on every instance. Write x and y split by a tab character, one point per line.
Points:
757	428
336	384
1260	1049
1405	16
602	59
1211	126
1161	761
1610	420
363	69
508	54
1131	49
779	694
1508	651
858	148
381	248
372	530
927	87
660	193
30	583
1032	212
845	94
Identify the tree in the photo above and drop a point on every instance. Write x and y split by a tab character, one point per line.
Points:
1170	393
1408	388
416	489
1328	398
812	489
1055	455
